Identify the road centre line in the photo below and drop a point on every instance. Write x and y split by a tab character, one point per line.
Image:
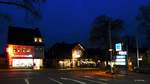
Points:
93	81
77	81
26	81
55	80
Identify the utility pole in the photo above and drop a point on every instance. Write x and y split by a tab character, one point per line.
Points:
110	45
137	49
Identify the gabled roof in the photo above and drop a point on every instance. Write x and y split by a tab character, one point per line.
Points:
63	50
23	36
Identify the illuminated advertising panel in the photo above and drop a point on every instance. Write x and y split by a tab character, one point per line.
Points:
23	51
120	63
122	52
20	51
120	57
120	60
118	47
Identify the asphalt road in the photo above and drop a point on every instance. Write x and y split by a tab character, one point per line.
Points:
65	77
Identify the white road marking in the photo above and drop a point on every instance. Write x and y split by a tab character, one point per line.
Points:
77	81
88	77
139	80
93	81
55	80
101	79
26	81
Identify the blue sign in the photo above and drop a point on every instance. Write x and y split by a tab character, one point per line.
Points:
118	47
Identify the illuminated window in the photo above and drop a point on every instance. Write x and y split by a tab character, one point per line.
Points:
40	40
77	53
35	39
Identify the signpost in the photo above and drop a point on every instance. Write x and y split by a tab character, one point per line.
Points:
121	58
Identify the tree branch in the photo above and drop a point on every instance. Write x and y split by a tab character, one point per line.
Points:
30	9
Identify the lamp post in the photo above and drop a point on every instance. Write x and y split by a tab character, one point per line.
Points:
137	49
110	45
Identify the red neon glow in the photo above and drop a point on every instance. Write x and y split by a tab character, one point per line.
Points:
23	51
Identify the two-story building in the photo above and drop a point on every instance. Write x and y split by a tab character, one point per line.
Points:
25	48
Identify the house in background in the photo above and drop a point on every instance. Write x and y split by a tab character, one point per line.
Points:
75	55
64	55
98	56
25	48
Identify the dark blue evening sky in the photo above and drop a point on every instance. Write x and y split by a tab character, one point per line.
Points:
70	20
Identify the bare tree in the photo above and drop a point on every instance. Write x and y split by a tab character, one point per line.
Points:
29	5
99	35
143	28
